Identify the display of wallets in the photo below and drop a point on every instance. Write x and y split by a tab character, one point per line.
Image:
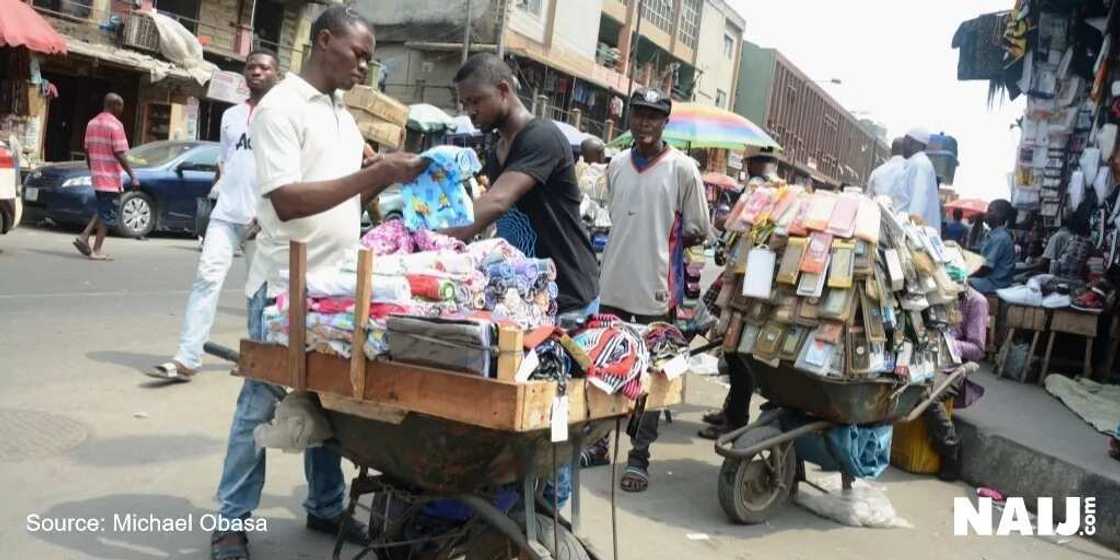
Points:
830	332
816	355
922	262
808	312
837	304
873	320
797	226
812	284
791	345
726	290
734	221
786	309
863	262
759	279
748	338
786	200
769	341
894	270
758	205
758	313
859	352
791	261
842	267
868	221
821	206
815	259
842	223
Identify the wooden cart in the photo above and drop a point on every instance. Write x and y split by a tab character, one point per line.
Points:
432	435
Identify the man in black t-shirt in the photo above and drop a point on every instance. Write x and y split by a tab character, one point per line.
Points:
534	197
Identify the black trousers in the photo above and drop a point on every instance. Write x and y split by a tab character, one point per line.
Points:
940	424
737	407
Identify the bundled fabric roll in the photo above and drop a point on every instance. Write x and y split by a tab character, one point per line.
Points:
431	287
618	356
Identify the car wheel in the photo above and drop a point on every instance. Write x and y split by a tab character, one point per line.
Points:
137	215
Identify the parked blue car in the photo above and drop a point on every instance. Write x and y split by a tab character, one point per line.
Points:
174	176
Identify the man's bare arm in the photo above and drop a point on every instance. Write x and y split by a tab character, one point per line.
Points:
507	190
299	200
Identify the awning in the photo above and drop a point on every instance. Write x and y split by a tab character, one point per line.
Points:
21	26
157	69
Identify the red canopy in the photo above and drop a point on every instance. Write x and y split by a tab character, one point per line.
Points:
21	26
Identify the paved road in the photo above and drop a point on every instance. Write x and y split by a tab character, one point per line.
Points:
84	435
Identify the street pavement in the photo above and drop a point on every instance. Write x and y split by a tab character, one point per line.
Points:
84	435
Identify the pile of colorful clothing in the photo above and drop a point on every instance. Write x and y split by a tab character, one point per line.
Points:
422	274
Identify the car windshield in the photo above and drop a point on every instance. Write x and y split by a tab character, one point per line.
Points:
156	153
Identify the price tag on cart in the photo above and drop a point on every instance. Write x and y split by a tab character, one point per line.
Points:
560	418
676	367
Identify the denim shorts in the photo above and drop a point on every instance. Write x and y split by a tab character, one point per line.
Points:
108	207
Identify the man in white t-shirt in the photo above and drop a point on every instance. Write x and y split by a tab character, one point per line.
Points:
887	179
919	193
311	178
235	210
658	208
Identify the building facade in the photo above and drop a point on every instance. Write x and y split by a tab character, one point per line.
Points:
823	142
572	57
112	48
718	54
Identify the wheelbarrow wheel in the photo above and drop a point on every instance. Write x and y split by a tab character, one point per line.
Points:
752	490
492	545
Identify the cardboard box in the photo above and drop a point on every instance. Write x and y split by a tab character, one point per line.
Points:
384	133
377	104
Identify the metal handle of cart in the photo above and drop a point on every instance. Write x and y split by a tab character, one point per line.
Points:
725	444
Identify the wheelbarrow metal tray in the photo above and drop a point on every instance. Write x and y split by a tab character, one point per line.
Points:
451	457
390	388
862	401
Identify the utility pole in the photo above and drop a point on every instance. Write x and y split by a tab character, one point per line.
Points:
503	7
467	34
633	60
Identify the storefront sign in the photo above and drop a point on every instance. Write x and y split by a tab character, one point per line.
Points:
229	87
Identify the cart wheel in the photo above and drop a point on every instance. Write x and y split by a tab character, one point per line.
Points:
492	545
752	490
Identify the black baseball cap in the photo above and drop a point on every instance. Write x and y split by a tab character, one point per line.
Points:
652	99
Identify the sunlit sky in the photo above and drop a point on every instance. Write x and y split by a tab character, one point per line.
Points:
895	62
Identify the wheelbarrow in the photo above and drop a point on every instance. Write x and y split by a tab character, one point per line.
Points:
444	489
761	467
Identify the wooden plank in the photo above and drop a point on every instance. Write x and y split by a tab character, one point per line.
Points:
460	397
1073	322
297	315
511	349
361	320
365	409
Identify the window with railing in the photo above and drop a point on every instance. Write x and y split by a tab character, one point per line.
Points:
73	8
690	22
184	11
659	13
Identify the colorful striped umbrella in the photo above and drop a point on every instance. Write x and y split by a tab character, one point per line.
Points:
692	125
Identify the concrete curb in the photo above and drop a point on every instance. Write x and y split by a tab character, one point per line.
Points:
1016	470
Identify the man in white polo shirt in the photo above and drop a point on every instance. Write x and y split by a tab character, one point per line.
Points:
309	156
237	206
658	208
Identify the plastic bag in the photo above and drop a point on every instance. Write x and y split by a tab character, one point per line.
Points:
299	423
865	505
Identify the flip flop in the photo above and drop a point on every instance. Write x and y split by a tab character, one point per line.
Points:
171	371
82	247
100	257
634	480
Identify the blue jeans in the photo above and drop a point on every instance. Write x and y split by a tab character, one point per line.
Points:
222	241
563	485
243	471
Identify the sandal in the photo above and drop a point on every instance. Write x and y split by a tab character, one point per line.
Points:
82	247
713	432
172	371
634	480
99	257
715	418
229	545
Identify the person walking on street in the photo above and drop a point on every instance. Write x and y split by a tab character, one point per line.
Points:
918	195
658	208
311	179
236	189
106	155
